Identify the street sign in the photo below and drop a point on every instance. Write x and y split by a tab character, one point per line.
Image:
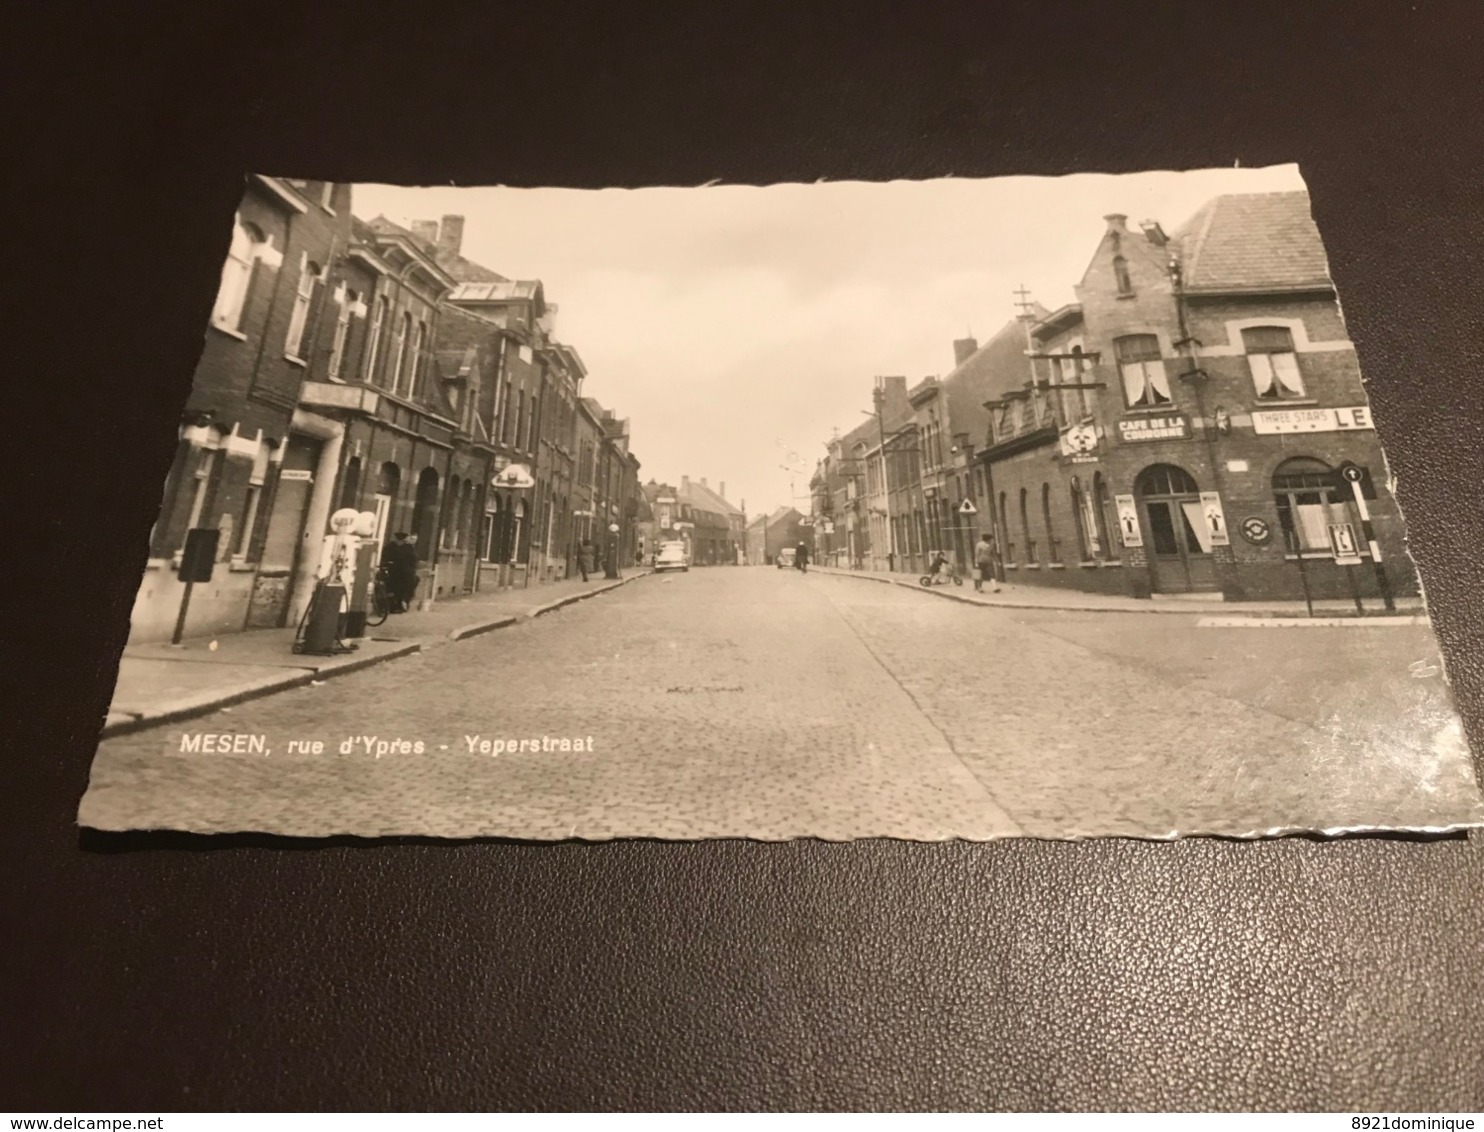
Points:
967	508
1215	518
1342	541
613	527
1353	473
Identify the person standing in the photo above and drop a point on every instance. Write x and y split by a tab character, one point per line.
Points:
801	557
585	558
984	557
399	561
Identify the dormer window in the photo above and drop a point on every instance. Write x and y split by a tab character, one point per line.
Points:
1275	371
1121	276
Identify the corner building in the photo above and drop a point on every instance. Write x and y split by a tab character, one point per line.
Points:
1187	420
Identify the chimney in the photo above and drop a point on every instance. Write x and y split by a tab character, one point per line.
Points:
425	231
963	349
1117	222
685	483
721	489
451	235
703	481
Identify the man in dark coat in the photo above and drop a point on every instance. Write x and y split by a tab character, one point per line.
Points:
801	557
399	561
585	558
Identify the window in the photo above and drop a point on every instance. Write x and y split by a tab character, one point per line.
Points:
415	357
1121	276
399	351
520	419
327	196
373	345
1025	529
231	297
1086	540
1309	499
1103	517
1275	371
299	319
1053	544
255	480
342	331
1143	371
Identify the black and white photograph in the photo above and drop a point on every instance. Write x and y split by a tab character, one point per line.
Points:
949	509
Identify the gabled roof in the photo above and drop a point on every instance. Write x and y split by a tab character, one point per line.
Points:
1253	242
712	500
998	367
382	230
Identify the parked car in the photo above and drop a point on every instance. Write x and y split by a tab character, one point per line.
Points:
672	556
785	558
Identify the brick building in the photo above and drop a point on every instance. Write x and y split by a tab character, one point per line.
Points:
1187	418
719	530
770	533
407	400
252	463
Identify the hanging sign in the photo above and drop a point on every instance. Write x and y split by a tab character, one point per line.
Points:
1171	427
1215	519
515	476
967	508
1266	422
1128	520
1079	443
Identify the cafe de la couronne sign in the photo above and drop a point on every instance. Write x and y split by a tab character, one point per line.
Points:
1265	422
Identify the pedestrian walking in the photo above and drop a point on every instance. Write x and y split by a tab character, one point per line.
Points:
801	557
399	562
585	558
984	556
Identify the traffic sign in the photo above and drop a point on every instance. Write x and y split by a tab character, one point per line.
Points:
967	508
1353	473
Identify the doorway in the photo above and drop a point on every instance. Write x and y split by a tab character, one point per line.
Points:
1179	547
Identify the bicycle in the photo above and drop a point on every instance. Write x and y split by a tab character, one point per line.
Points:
381	601
942	576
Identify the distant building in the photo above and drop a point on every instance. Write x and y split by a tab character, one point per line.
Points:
768	534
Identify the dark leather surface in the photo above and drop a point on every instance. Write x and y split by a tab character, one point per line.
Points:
168	973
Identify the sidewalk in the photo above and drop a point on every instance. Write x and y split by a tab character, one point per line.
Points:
1019	596
162	683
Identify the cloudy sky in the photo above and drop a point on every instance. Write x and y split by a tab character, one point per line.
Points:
736	326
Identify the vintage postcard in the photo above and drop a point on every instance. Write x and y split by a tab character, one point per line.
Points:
950	509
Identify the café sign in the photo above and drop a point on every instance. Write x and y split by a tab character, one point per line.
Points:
1268	422
1173	427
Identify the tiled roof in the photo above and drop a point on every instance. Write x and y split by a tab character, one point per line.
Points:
1252	241
995	369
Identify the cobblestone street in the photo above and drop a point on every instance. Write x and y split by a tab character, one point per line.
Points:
762	703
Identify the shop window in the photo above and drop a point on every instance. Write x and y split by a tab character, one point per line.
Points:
1310	497
1275	368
